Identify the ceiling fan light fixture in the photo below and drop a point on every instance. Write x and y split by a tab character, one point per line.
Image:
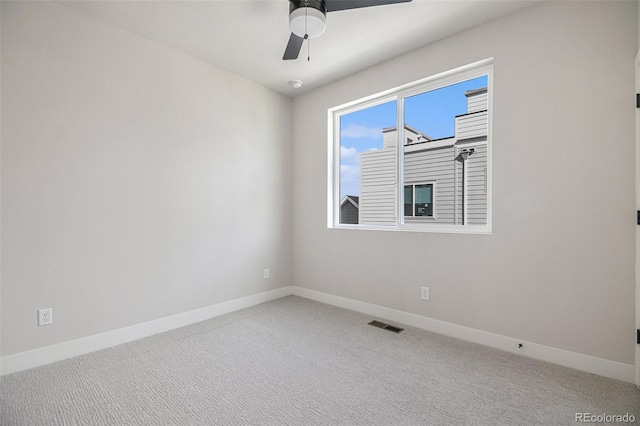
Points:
307	21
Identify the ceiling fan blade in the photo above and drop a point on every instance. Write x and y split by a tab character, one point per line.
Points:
335	5
293	47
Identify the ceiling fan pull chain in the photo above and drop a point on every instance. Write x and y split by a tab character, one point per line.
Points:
306	32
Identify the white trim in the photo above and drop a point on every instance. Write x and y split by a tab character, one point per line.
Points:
419	227
637	231
401	139
415	87
333	175
603	367
490	153
61	351
349	198
425	146
22	361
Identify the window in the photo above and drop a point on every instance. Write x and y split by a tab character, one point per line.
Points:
431	139
418	200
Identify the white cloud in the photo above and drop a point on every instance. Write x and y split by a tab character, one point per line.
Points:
349	172
348	154
357	131
349	180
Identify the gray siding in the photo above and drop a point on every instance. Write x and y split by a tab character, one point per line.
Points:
477	102
433	166
471	125
438	166
389	137
477	186
378	187
459	194
348	213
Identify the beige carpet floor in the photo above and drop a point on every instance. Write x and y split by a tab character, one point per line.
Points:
297	362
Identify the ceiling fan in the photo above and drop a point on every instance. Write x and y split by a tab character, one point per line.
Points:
307	19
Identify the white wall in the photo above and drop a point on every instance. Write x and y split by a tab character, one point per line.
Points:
137	182
558	269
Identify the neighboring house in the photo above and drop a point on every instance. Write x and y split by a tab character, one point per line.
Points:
349	209
445	180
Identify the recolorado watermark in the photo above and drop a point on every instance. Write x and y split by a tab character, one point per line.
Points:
604	418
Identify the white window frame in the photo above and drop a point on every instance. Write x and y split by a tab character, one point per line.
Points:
399	94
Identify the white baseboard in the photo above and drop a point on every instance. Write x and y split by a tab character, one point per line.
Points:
603	367
24	360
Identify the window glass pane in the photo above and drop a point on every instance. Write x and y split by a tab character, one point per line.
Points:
408	200
446	131
424	204
434	112
423	193
368	162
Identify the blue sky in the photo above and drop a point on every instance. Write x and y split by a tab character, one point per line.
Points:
431	113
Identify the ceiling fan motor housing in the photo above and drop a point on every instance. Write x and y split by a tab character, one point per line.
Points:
307	17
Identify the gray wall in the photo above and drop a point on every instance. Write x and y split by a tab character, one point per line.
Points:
137	182
558	269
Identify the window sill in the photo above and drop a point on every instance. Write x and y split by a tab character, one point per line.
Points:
439	229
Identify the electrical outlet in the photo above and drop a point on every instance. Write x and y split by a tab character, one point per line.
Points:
266	274
45	317
424	293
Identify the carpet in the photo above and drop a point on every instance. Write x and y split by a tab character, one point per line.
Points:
293	361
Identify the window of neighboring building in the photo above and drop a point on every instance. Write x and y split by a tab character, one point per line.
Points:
431	139
418	200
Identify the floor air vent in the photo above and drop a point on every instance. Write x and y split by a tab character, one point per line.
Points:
386	326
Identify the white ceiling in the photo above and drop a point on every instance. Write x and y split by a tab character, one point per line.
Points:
248	37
